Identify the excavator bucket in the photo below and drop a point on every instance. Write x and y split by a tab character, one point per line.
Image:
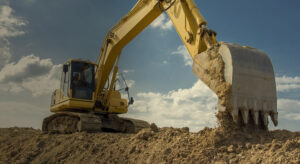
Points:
243	79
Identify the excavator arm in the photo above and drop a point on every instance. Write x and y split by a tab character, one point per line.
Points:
242	77
144	13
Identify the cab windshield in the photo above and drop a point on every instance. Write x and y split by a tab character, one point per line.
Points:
82	80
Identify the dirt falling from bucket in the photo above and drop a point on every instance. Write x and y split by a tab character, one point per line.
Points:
209	67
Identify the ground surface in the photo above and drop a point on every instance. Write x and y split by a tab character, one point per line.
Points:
163	145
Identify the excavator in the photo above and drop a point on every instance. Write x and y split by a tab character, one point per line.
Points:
242	77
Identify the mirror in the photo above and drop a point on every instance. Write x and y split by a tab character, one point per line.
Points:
65	68
131	100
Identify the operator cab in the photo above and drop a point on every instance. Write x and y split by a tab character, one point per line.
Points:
78	79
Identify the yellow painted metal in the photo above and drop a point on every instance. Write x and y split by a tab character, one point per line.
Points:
142	14
191	27
113	79
184	15
187	21
71	103
115	103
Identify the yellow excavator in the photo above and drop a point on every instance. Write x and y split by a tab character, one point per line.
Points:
242	77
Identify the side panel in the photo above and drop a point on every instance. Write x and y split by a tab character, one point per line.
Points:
74	104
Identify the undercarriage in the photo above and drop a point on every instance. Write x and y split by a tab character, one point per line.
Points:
71	122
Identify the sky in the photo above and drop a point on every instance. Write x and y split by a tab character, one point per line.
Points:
38	36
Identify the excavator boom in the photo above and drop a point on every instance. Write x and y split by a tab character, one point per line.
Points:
247	73
242	77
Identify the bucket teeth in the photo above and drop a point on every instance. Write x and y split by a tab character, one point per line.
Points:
235	115
245	114
265	119
255	117
244	81
274	118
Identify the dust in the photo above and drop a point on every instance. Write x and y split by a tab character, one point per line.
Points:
152	145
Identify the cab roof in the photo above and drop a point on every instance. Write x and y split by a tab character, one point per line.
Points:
79	60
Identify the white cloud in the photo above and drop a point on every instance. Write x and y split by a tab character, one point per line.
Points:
126	71
9	24
286	79
120	84
193	107
182	51
162	22
9	27
130	83
286	83
39	76
44	84
289	109
4	54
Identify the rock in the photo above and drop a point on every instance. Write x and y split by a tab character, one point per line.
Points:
153	127
185	129
144	134
230	149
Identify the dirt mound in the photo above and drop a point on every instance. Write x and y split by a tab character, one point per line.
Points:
169	145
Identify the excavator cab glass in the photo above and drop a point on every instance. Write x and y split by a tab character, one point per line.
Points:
82	80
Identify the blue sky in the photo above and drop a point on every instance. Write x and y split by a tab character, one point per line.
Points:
45	34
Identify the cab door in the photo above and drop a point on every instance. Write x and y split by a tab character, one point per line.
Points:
82	80
65	81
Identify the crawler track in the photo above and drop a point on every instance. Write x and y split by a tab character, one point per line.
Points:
70	122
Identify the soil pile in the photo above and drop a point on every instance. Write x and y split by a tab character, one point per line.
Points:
155	145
